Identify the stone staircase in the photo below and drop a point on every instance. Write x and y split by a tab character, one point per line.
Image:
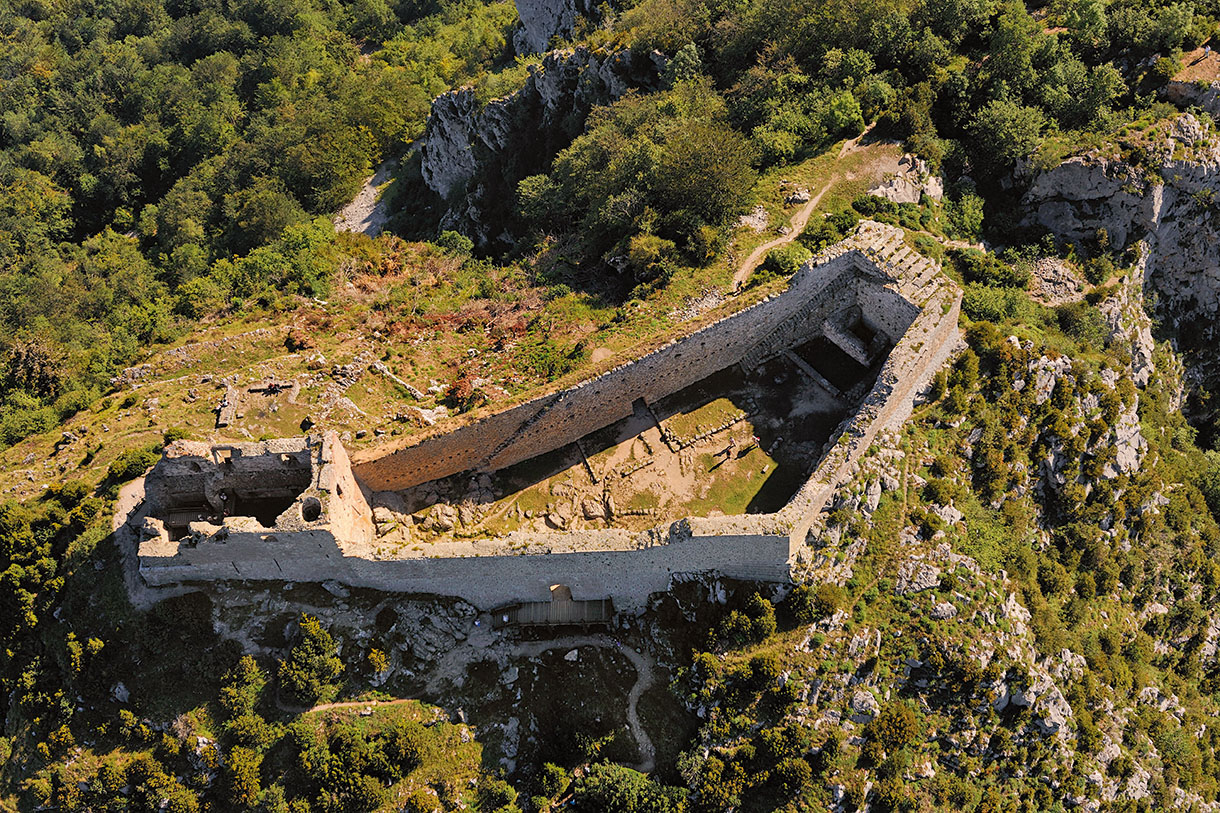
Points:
884	247
489	463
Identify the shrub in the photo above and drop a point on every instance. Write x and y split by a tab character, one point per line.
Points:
495	794
402	744
874	205
785	260
987	269
988	304
647	254
131	464
1164	70
615	789
895	727
421	801
1098	270
455	243
553	780
792	776
1082	322
965	216
311	664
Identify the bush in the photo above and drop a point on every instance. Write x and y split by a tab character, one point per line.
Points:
199	297
874	205
754	623
1164	70
895	727
553	780
647	254
311	664
421	801
1082	322
615	789
496	794
792	776
786	260
456	243
132	464
403	746
986	269
1098	270
988	304
965	215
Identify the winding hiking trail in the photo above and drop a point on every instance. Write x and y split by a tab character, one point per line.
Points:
452	666
799	220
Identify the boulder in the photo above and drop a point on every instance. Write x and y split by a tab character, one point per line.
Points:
592	508
863	702
915	576
943	610
442	517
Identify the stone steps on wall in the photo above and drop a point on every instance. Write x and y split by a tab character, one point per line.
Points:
489	461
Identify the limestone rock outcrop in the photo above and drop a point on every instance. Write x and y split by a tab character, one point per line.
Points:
910	182
1169	200
542	20
473	155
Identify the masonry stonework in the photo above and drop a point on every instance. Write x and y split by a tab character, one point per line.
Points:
873	274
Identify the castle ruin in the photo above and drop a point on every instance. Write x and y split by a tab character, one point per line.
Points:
861	329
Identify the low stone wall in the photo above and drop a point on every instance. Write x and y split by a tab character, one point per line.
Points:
546	423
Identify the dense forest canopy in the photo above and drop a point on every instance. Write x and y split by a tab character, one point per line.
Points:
159	161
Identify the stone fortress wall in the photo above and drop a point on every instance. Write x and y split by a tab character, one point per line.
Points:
815	293
897	291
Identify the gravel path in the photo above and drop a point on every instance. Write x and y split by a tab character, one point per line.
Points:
366	214
799	220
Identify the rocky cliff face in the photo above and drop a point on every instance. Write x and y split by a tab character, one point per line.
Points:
1167	205
473	155
541	20
1170	200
